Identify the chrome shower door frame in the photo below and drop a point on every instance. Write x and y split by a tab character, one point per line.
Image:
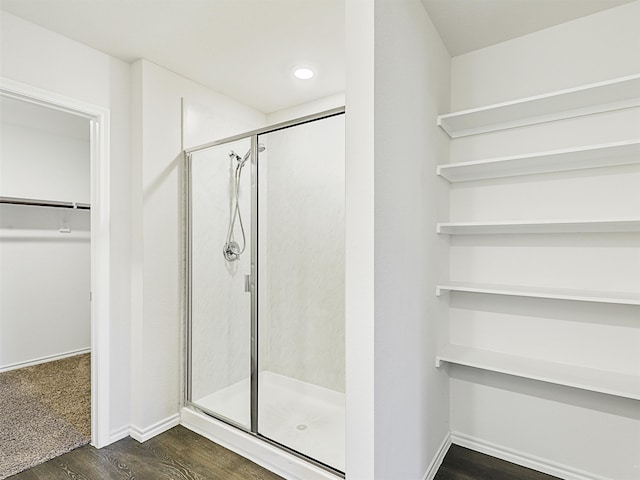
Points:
254	285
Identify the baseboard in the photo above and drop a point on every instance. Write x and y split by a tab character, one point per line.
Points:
521	458
437	460
144	434
49	358
119	434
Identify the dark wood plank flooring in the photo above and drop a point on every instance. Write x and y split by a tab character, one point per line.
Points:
180	454
177	454
463	464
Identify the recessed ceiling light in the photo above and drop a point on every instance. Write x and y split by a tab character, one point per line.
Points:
303	73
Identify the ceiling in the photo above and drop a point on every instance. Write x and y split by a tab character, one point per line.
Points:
467	25
246	49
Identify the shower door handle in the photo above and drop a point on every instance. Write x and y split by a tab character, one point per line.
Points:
247	283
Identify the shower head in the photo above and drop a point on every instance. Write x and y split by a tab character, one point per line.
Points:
261	148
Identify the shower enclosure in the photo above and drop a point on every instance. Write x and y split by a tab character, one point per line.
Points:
265	285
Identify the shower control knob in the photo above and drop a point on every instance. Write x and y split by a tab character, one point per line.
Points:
231	251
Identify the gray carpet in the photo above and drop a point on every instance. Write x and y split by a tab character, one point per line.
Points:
45	411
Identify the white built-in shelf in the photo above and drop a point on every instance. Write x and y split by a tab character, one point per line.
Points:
593	156
615	94
551	226
624	298
608	382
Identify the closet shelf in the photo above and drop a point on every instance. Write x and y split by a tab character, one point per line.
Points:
615	94
585	378
593	156
43	203
623	298
551	226
27	234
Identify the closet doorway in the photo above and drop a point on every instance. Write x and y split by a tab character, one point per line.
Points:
54	273
45	258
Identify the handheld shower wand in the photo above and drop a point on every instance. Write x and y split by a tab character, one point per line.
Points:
231	249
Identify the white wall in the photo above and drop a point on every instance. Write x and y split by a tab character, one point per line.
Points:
552	59
44	153
397	83
359	245
319	105
157	227
412	85
36	259
43	59
45	283
302	208
561	428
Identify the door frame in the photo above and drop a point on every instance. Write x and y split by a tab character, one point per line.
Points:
98	117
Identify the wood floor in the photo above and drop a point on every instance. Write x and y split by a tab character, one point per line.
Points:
463	464
177	454
180	454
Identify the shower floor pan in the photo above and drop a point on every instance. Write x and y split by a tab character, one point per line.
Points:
304	417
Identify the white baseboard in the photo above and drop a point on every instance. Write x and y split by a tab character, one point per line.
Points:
119	434
521	458
437	460
144	434
39	360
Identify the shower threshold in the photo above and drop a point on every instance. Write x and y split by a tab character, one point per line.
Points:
304	417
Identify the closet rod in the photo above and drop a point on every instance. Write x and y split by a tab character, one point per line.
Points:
44	203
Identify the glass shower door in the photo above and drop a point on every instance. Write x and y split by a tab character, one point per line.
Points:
220	252
301	387
265	285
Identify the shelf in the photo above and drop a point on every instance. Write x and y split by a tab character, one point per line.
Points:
551	226
615	94
26	234
594	156
43	203
610	383
623	298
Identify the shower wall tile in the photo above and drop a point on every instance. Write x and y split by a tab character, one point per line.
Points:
221	309
302	315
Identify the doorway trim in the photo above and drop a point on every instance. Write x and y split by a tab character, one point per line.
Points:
100	240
